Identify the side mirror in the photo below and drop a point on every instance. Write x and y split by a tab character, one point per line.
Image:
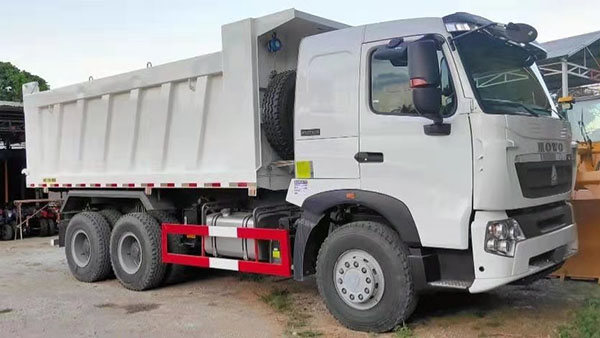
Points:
424	73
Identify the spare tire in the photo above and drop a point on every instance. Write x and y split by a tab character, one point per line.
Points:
278	113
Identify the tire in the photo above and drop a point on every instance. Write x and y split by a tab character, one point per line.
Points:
93	226
111	216
138	268
398	298
44	227
278	113
7	232
51	227
174	273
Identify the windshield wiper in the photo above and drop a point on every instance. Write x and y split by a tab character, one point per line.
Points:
515	104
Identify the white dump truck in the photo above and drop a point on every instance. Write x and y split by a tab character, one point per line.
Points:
389	159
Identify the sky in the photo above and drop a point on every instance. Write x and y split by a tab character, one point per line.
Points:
66	41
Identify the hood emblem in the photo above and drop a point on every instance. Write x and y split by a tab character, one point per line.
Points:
554	176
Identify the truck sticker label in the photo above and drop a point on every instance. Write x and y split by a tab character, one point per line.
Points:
310	132
300	186
304	169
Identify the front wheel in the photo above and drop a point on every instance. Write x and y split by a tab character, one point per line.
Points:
364	277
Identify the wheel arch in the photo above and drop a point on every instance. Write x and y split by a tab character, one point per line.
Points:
313	227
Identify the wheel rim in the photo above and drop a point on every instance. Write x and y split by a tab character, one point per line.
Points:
358	279
129	251
81	249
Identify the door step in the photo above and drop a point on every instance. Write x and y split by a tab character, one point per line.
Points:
451	284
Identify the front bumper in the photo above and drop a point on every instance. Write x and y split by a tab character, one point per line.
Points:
532	255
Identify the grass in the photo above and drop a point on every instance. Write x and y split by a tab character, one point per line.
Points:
585	324
281	301
403	332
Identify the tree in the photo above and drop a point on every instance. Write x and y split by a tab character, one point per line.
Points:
12	80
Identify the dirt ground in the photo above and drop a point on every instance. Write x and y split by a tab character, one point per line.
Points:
38	297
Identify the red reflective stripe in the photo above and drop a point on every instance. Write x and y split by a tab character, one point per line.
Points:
81	185
189	185
67	185
417	82
149	185
281	269
111	185
167	185
212	185
43	185
54	185
128	185
95	185
32	185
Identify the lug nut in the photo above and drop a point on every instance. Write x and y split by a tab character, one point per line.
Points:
367	291
364	270
340	280
360	297
347	264
368	280
351	297
344	291
356	264
341	271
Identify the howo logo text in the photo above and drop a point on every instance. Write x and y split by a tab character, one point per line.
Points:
550	147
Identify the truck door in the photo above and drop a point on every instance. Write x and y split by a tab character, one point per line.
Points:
431	174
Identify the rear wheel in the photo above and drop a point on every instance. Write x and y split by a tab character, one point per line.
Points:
44	227
135	252
111	216
364	277
174	273
87	247
51	227
6	232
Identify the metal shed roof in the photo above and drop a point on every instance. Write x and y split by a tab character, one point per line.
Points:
581	53
567	47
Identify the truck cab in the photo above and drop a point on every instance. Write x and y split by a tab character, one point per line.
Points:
444	128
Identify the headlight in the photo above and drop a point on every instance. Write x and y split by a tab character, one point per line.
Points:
501	237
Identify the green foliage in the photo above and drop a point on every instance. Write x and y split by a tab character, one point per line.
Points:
586	323
278	299
404	332
12	80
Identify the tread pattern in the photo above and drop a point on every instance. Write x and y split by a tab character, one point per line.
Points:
101	231
111	215
156	269
278	113
400	250
174	273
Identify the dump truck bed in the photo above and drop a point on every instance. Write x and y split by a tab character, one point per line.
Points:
190	123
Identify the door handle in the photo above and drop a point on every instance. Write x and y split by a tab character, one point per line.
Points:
365	157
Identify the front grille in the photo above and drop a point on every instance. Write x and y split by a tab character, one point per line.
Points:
542	219
544	178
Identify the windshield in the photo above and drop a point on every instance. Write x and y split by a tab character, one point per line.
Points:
503	76
585	118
